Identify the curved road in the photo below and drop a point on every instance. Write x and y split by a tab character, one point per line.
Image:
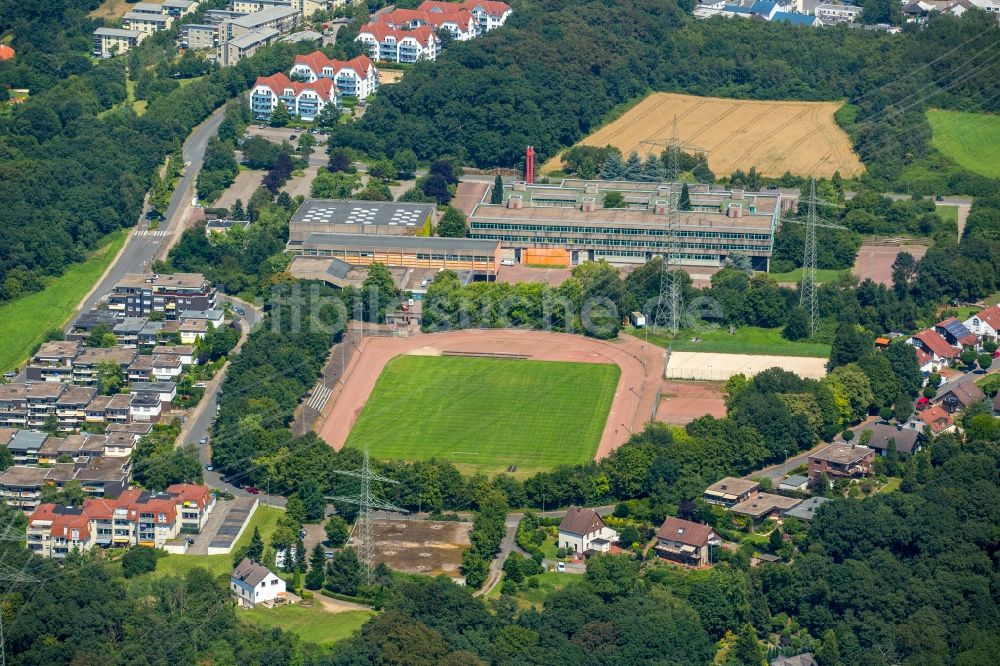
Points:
142	245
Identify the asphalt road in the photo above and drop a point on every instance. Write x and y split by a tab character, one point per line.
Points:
143	245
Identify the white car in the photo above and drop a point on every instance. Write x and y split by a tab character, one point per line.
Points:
507	262
561	567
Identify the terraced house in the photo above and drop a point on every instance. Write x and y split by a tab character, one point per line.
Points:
357	77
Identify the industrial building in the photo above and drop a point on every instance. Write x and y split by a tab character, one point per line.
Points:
567	224
396	234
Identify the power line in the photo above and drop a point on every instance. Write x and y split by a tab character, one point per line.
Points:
10	533
366	502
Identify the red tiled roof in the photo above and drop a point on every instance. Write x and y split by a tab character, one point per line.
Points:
380	31
278	83
922	357
991	316
684	531
317	61
493	7
458	15
937	419
61	523
933	341
99	508
189	492
581	521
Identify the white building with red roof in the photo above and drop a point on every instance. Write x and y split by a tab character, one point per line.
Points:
357	77
388	44
985	323
935	346
457	21
305	100
489	15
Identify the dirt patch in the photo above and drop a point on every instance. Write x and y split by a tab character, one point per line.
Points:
775	137
632	406
875	261
421	546
683	402
521	273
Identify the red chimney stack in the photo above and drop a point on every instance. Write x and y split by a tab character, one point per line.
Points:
529	171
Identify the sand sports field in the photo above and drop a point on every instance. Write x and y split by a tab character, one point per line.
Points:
775	137
634	400
706	366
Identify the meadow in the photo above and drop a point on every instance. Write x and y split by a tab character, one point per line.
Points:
970	139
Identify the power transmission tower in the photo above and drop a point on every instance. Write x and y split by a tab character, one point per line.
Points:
807	290
668	305
10	533
366	503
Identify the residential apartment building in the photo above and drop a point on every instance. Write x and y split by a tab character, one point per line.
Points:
146	22
110	42
386	43
280	18
198	36
85	366
567	224
842	461
21	485
53	362
488	15
235	49
357	77
831	14
457	22
254	6
71	406
138	294
305	100
137	517
178	8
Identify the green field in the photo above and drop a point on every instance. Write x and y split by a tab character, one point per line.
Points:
948	213
312	624
24	322
823	275
746	340
534	597
485	414
968	138
265	518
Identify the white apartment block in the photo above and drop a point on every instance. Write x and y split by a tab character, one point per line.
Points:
356	77
390	44
110	42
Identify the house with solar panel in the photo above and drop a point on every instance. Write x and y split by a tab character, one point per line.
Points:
956	333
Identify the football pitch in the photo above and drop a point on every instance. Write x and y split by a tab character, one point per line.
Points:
485	414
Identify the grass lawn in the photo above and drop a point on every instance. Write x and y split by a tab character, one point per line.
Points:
312	624
968	138
823	275
746	340
948	213
24	322
549	582
485	414
891	484
265	518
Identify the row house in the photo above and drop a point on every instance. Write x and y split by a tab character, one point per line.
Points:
138	294
86	322
185	353
85	366
53	362
386	43
27	405
109	409
488	15
459	23
136	518
305	100
71	406
356	77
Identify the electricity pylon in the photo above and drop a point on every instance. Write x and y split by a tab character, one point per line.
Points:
668	305
366	502
807	289
10	533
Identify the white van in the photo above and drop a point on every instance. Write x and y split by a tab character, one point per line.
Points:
507	262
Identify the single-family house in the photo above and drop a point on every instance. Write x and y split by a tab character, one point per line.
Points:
931	342
955	333
985	323
804	659
960	396
842	461
935	417
806	509
582	531
253	584
730	491
797	482
764	506
906	440
686	542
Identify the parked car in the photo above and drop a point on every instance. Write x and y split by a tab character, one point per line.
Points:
209	467
203	441
506	262
939	198
253	490
200	385
561	567
293	137
328	555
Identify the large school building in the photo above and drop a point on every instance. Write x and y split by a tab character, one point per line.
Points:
568	223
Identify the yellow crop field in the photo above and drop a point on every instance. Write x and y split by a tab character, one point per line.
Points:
775	137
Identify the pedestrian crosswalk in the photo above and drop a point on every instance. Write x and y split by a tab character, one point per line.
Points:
319	397
159	233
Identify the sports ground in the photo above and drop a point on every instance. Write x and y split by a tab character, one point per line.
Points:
487	412
490	400
774	136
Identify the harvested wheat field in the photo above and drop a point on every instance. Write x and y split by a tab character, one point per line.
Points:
775	137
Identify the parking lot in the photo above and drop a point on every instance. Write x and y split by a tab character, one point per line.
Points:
279	134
